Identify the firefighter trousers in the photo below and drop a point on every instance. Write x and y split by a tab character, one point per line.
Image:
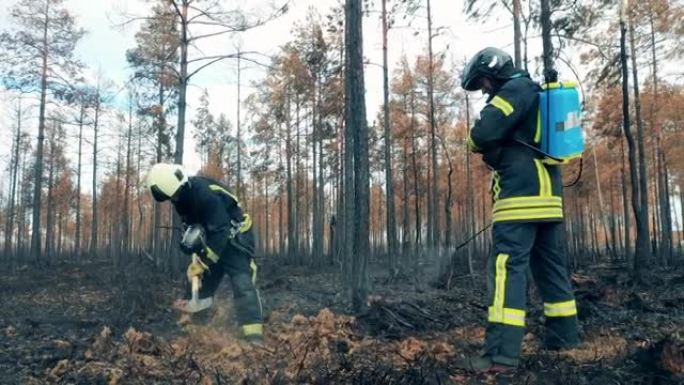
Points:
237	261
518	245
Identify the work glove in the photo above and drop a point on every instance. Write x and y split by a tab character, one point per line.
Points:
234	229
196	267
193	240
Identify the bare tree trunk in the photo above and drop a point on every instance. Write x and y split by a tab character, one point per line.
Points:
405	233
433	201
38	176
645	256
601	203
77	244
661	163
470	198
356	128
546	38
317	241
291	237
416	191
627	249
389	184
94	221
49	233
517	35
642	247
127	187
298	191
174	258
9	229
239	130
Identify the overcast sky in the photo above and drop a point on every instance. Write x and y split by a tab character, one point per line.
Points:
103	49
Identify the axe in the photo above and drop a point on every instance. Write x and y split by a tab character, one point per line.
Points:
195	304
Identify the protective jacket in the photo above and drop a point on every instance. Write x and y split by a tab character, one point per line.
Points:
523	187
230	247
207	202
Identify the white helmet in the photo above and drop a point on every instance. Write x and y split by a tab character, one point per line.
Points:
164	180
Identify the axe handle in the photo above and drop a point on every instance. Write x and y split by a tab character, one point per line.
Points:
195	289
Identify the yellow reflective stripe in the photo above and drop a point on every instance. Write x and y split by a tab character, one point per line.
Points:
508	316
544	178
502	104
470	144
246	223
528	214
254	268
527	202
215	187
496	310
211	254
560	309
563	84
537	134
563	160
496	187
253	329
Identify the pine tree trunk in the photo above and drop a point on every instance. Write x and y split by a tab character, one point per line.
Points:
470	197
517	35
627	249
77	244
414	162
546	37
94	220
126	223
49	234
239	130
643	255
357	210
391	230
433	198
35	250
9	229
291	237
642	247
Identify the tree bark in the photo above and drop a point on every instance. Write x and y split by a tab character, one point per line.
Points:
642	247
389	184
517	35
35	250
94	220
433	202
645	255
357	209
546	37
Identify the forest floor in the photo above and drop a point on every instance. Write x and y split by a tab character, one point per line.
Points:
94	324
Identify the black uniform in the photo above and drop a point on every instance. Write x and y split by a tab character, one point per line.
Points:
527	217
206	202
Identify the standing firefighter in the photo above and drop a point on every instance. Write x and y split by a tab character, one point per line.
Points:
527	215
219	237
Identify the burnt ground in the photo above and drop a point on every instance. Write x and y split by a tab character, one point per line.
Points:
97	324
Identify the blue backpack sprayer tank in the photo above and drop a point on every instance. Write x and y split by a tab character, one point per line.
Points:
560	121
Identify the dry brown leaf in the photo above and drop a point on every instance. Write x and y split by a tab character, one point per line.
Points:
673	357
410	348
59	369
115	375
442	351
299	319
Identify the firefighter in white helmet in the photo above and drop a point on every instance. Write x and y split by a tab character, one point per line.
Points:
219	236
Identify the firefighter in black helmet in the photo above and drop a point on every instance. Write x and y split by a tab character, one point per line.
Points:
527	215
219	238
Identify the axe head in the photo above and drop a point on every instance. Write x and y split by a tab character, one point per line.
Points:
195	304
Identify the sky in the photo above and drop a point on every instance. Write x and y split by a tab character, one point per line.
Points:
103	49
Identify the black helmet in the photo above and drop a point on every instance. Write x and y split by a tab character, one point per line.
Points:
490	62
